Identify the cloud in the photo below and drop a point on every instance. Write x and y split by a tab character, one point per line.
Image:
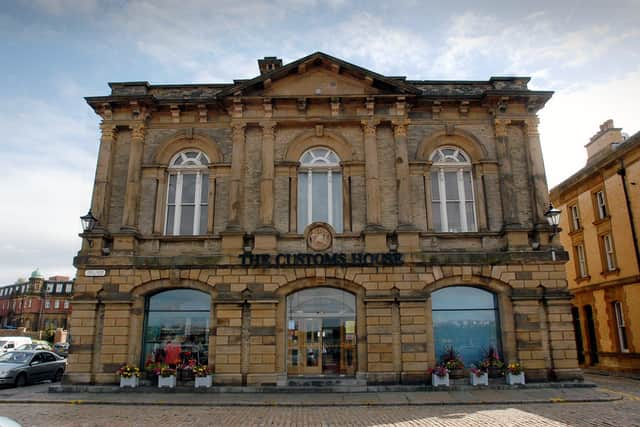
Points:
65	7
574	115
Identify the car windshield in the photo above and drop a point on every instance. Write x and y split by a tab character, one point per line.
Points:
2	343
16	357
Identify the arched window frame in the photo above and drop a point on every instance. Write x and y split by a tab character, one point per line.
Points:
181	165
453	159
313	161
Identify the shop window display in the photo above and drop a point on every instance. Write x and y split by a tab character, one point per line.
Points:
176	331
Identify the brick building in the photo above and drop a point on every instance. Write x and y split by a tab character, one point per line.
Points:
602	201
37	304
320	219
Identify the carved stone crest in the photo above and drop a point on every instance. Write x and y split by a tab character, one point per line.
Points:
319	237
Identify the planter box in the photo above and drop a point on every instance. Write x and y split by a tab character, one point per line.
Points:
479	380
437	381
515	379
132	382
169	382
203	381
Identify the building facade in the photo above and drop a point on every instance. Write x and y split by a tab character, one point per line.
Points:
37	304
320	219
602	205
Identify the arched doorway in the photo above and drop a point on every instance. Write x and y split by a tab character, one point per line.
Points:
321	332
176	327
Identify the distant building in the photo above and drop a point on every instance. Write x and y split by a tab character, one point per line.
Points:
36	304
600	226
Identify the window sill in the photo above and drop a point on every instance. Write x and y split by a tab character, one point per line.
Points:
582	279
614	272
576	232
602	220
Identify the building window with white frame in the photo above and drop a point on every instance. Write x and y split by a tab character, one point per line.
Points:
320	189
47	304
575	218
49	288
187	194
601	205
66	304
621	326
581	261
609	254
68	288
452	198
59	288
56	304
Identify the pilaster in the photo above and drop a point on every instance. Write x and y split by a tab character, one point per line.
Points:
266	181
371	171
237	167
134	174
102	186
539	182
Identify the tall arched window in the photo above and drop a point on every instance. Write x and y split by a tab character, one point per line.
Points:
452	200
187	194
466	319
320	188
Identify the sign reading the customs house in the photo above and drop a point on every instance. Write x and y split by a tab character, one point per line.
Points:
320	260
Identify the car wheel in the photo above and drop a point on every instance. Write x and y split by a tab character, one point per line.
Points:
58	376
21	380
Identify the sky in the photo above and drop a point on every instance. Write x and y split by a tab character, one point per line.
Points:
55	52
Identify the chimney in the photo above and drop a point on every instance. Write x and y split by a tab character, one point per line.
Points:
606	139
268	64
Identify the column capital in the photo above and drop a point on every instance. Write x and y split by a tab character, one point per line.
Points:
531	126
400	127
369	126
108	130
237	129
268	127
137	130
501	126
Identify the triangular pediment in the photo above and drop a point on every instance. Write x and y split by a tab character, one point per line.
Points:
320	74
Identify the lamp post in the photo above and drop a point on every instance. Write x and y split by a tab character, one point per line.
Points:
553	217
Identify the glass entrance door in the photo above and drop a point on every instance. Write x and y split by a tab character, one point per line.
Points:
321	332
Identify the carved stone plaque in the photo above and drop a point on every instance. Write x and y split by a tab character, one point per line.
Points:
319	238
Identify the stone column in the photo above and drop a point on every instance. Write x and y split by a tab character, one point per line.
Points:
266	181
237	168
506	174
402	173
102	188
540	190
371	172
132	193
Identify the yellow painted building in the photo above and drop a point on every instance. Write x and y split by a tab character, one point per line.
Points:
600	226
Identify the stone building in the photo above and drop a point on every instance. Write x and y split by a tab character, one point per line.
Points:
320	219
601	225
37	304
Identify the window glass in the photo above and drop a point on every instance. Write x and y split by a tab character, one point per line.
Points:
320	194
466	319
69	287
187	195
59	287
188	188
320	189
337	200
177	328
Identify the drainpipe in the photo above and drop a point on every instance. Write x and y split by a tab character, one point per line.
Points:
623	176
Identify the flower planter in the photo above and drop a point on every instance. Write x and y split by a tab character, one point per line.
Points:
169	382
513	379
476	380
437	380
132	382
203	381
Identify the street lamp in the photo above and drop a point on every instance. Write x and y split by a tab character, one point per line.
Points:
88	222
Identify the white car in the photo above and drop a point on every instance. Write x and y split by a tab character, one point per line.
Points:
11	343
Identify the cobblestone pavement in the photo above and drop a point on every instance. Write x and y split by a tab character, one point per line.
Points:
621	413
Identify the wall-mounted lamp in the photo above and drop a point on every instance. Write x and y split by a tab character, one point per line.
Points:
88	222
553	216
247	243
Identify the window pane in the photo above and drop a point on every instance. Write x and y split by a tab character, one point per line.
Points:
453	216
468	332
437	223
186	220
468	190
176	337
320	208
451	185
204	194
302	201
188	188
170	219
321	300
462	297
435	189
172	189
337	201
471	220
203	219
180	299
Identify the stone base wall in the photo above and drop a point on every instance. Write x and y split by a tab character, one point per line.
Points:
394	327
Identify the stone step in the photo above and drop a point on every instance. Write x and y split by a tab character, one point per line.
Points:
322	381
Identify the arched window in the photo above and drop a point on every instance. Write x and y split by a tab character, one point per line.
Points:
466	319
187	194
452	200
320	188
176	327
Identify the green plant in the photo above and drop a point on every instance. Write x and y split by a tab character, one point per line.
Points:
164	371
514	368
451	359
128	371
200	371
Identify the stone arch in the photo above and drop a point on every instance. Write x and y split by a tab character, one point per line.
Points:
502	291
182	140
309	139
314	282
459	138
155	286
